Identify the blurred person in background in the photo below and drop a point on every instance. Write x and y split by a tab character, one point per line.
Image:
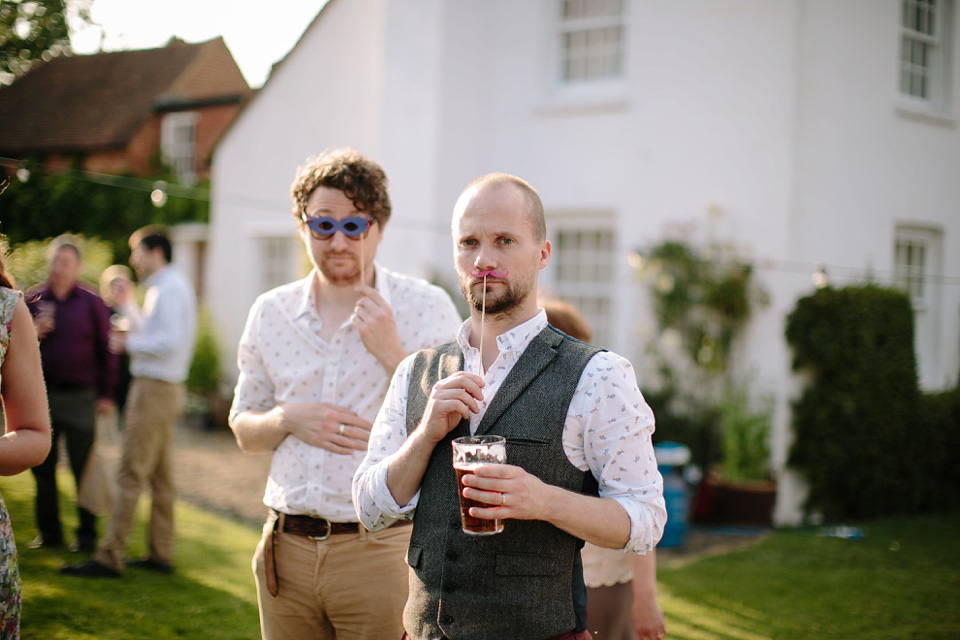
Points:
26	438
160	353
621	590
116	289
73	325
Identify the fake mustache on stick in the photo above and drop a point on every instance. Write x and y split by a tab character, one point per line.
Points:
490	272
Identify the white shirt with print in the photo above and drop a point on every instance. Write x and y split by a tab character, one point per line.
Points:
607	431
282	359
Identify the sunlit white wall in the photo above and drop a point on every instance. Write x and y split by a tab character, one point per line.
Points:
772	124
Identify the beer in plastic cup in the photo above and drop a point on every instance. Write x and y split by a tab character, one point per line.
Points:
470	452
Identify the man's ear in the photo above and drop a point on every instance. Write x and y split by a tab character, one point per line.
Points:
545	252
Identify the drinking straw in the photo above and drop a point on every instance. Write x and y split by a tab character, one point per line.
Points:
483	313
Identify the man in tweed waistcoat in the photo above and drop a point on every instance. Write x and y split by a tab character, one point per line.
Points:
580	463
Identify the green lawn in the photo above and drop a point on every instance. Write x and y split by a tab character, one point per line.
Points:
211	594
902	580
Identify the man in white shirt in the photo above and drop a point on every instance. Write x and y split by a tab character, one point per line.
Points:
315	360
580	462
160	353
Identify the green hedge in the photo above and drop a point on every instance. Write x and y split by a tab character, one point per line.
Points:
47	205
867	440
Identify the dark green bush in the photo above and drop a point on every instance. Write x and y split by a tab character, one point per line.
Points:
110	208
867	440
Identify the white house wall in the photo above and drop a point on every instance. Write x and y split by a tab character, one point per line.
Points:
779	117
326	93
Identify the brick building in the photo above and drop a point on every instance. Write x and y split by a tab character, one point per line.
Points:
125	112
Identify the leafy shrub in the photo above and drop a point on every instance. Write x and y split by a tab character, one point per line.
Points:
868	442
204	376
109	207
28	261
746	436
702	300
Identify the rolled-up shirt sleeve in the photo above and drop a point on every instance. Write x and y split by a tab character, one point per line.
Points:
609	430
372	499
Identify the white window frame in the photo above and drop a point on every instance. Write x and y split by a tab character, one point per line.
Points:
278	260
917	267
586	275
178	144
605	92
925	54
584	54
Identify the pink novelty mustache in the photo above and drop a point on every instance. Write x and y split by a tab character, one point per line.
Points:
490	272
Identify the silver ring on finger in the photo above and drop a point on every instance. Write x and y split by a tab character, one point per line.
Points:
503	499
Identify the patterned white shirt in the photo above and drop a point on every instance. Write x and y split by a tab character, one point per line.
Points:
607	431
282	359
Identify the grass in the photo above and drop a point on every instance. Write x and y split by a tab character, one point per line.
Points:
901	580
211	594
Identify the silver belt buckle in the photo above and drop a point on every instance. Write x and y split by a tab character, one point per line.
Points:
326	535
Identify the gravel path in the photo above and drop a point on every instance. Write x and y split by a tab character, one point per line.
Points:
212	472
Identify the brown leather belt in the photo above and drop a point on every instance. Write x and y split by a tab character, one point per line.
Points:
321	528
313	528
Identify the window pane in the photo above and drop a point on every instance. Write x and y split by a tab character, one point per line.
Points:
584	275
592	37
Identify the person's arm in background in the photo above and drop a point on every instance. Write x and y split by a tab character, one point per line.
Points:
645	612
26	441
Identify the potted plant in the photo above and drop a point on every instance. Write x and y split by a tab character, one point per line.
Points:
742	487
205	406
702	300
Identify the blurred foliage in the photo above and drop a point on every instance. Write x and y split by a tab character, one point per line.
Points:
27	262
703	296
36	30
702	301
745	435
47	205
204	375
867	440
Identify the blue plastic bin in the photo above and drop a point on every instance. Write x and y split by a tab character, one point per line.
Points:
670	457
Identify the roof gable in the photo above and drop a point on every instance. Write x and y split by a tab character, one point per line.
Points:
99	101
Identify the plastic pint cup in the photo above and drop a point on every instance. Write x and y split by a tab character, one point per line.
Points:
470	452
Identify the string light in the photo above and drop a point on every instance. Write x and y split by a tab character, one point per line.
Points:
821	273
159	194
819	276
160	191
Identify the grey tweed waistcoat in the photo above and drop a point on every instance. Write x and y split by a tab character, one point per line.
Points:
517	584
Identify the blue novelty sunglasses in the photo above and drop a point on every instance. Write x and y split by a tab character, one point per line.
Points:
352	227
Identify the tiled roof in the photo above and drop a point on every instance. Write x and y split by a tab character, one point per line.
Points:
95	102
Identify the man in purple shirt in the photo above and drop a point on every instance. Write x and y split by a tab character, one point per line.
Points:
73	325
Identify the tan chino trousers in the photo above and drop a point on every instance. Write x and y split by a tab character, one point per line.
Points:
149	417
351	586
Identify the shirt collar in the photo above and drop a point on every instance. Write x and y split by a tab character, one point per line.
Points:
306	296
514	340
